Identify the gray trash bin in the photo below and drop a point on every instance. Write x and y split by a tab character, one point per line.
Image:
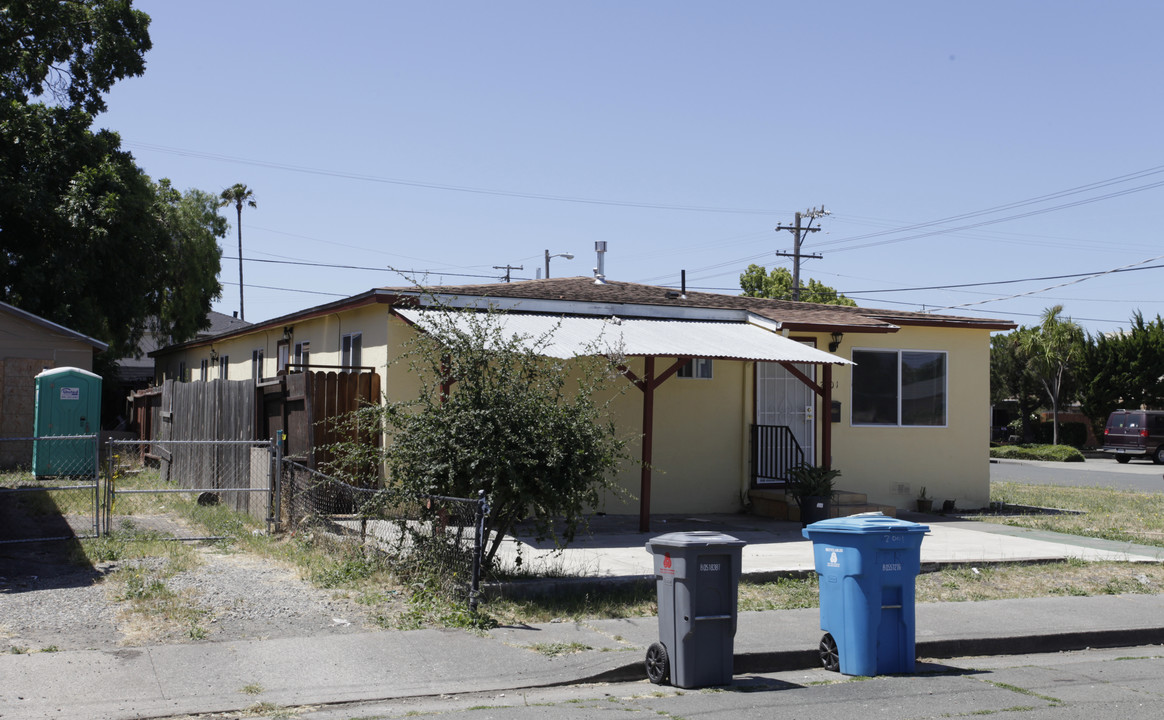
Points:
697	576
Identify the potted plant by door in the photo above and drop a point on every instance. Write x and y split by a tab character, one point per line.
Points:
924	502
811	486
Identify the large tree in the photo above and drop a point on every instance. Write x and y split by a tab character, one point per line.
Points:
1011	377
239	195
86	238
756	281
1122	369
1054	346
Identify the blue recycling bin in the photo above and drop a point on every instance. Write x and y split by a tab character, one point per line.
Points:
867	566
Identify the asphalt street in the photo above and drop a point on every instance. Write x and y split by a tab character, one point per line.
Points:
1123	684
1137	475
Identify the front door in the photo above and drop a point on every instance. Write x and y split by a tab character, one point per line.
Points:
782	399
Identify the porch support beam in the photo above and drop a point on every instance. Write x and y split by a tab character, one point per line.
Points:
648	383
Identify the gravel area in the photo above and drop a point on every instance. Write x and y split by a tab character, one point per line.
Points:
46	602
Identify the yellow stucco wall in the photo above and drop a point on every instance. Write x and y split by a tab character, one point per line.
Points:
891	464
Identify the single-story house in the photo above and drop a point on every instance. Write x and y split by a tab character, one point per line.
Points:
730	390
32	345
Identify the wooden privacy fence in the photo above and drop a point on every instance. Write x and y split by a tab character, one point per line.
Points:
305	406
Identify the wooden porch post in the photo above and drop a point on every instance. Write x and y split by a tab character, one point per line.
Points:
648	442
826	424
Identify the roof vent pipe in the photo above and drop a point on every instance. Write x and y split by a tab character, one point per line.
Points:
600	271
683	284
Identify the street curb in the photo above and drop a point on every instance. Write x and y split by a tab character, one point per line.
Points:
786	660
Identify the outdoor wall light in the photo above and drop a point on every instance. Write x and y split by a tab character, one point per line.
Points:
836	343
288	331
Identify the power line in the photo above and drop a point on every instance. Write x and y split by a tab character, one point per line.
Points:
441	186
1010	282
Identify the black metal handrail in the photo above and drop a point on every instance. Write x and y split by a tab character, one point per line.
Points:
775	451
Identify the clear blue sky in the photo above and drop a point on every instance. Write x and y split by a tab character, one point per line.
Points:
451	137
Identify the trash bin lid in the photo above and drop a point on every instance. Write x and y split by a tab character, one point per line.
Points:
865	523
696	538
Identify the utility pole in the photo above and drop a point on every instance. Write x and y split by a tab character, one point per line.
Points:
797	234
507	268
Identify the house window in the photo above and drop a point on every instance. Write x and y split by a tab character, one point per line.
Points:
352	349
257	364
224	367
182	371
302	355
283	356
699	368
899	388
204	371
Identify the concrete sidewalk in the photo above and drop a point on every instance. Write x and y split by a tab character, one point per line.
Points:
169	680
162	681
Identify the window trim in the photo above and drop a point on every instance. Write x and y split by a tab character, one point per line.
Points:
257	364
224	367
352	350
900	424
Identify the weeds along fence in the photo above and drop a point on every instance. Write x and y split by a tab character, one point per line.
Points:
430	540
49	488
237	473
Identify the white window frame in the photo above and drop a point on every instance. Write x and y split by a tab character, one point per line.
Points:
302	354
257	364
224	367
696	369
899	352
204	371
352	350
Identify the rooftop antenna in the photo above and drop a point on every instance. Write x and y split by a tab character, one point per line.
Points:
600	271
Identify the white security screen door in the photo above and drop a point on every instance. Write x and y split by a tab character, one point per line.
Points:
782	399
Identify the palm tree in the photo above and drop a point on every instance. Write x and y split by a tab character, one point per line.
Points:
238	195
1054	347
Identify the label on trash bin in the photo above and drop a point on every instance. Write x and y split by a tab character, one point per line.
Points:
834	562
667	569
709	567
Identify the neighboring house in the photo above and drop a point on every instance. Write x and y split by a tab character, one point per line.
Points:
31	345
731	390
137	373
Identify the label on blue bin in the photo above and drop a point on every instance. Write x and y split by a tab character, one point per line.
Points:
834	562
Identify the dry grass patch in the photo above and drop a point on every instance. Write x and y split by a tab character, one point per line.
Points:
1121	515
1014	581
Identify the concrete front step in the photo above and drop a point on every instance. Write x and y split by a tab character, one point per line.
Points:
776	504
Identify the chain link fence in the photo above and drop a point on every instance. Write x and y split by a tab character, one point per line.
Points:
237	473
49	488
431	540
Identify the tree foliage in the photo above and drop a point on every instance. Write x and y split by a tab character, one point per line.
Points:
71	50
530	431
1011	377
86	238
1122	370
1053	348
756	281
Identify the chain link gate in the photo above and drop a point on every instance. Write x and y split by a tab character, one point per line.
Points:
240	473
49	488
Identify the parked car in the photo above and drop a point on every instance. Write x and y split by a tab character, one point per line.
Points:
1135	433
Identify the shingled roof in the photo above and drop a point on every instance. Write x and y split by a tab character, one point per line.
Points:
801	316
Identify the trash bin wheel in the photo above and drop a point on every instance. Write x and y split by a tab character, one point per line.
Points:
658	665
829	657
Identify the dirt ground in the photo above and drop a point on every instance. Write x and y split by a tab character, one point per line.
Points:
48	601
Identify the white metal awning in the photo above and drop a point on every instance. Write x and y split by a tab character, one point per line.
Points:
567	337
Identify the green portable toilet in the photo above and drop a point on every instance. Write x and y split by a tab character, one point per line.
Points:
68	402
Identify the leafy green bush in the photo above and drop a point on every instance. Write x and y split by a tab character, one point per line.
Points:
1054	453
1070	433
